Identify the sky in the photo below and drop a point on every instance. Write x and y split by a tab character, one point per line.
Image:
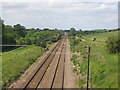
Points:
61	14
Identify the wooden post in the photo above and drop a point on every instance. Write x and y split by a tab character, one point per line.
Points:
88	68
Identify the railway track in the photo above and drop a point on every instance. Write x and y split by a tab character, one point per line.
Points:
50	72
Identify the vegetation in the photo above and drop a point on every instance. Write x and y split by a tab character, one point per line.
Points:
103	58
88	32
72	32
103	65
113	44
18	34
74	42
16	62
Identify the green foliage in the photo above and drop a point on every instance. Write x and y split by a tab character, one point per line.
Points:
21	30
81	83
113	44
73	42
11	35
27	41
74	70
94	31
30	33
103	65
74	57
7	38
21	41
15	63
10	40
72	32
80	32
18	34
46	36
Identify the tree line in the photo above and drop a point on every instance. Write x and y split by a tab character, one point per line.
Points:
18	34
112	42
74	32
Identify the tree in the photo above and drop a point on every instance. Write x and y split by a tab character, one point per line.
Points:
18	34
6	37
72	31
21	41
30	33
38	29
27	41
21	30
46	29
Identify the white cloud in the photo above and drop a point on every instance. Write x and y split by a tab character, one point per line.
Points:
60	0
61	15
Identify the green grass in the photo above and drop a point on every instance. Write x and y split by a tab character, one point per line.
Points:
103	65
16	62
100	36
8	50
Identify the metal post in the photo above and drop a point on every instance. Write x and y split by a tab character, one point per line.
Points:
74	42
88	68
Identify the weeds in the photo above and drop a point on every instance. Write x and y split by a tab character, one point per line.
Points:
103	65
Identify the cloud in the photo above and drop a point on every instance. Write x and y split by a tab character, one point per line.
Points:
61	1
85	15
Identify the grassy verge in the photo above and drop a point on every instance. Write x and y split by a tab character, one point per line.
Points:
103	65
16	62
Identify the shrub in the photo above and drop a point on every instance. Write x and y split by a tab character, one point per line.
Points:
113	44
94	39
74	57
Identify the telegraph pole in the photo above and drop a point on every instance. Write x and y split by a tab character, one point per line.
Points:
88	68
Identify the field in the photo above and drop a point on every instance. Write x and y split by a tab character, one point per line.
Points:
16	62
103	65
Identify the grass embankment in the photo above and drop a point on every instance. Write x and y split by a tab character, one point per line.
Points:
16	62
103	65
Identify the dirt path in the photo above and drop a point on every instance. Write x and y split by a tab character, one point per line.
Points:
70	77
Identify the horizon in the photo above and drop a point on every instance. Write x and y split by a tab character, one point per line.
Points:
64	29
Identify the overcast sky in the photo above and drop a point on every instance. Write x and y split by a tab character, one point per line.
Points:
62	14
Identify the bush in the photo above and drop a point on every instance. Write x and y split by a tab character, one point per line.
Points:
113	44
94	39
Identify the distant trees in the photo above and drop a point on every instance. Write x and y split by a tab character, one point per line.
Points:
72	31
43	37
18	34
6	37
21	30
79	33
11	35
112	42
30	33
